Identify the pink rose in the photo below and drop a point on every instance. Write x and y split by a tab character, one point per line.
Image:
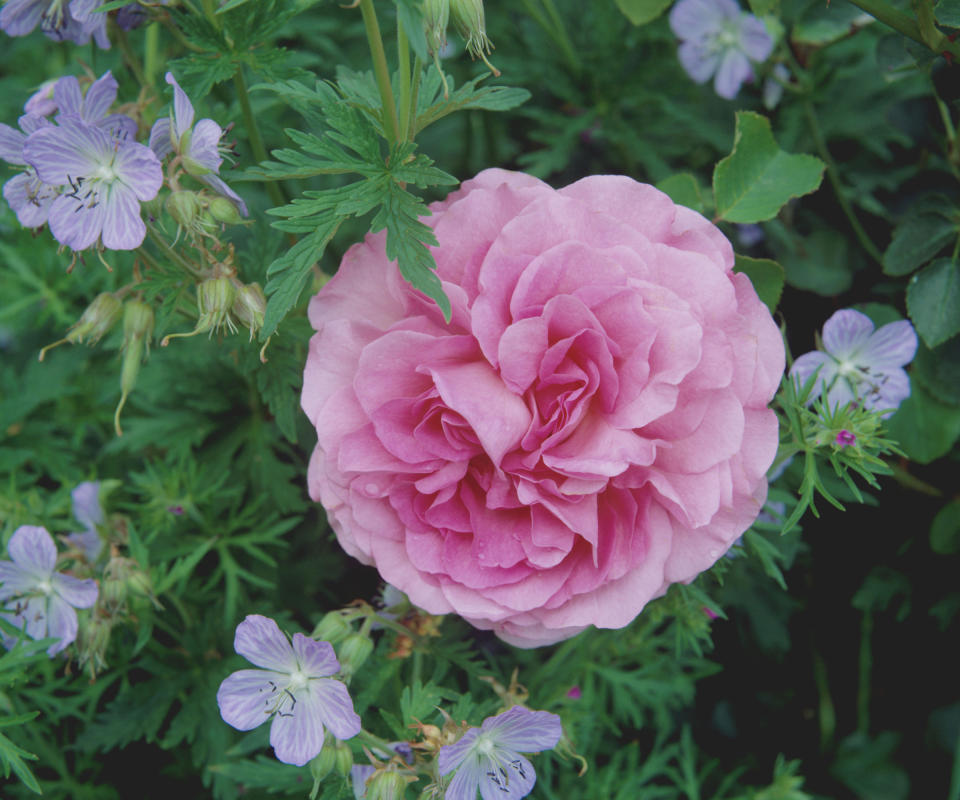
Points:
589	428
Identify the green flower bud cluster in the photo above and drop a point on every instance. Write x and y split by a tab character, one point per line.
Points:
468	18
199	213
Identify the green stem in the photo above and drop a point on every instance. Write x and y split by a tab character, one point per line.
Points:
130	57
253	133
414	100
177	34
905	23
562	38
151	53
827	715
863	690
834	179
172	254
391	124
403	81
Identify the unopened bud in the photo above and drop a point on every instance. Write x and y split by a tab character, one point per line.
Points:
343	758
323	763
386	785
215	298
471	24
354	651
93	639
222	210
98	318
184	207
113	586
332	628
436	17
137	330
250	306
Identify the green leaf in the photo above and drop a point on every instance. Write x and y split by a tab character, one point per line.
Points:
13	757
288	274
230	5
948	13
684	189
640	12
763	7
938	370
933	301
757	179
410	16
915	241
945	530
766	276
925	428
111	6
820	262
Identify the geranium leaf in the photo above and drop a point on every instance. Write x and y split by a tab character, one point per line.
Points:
640	12
933	301
766	276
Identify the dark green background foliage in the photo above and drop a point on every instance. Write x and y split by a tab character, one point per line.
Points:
829	673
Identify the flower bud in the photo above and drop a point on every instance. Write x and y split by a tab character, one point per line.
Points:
332	628
250	305
113	586
215	297
222	210
98	318
137	330
184	207
354	651
323	763
386	785
93	639
343	758
436	17
469	19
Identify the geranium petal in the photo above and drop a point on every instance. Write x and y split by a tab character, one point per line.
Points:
809	363
248	697
260	641
523	730
220	187
15	580
466	782
452	756
123	229
139	169
332	702
76	223
99	98
734	69
160	137
297	734
61	623
845	333
755	40
182	107
508	776
62	153
32	549
204	143
699	61
316	659
11	144
19	17
86	503
693	19
890	347
68	97
78	593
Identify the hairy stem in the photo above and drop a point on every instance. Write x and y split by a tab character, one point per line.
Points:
403	80
391	124
253	133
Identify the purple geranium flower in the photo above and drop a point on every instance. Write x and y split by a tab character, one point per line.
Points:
860	364
91	108
41	102
197	145
489	758
718	38
35	597
107	178
28	196
89	513
293	689
71	20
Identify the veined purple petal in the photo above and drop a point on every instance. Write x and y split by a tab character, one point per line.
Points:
216	183
41	102
694	19
11	144
332	702
465	783
524	730
84	10
33	122
506	775
261	642
32	549
86	503
87	542
119	126
68	97
845	333
19	17
182	107
78	593
892	390
316	659
62	153
698	60
123	229
99	97
30	198
755	41
893	345
807	364
138	167
75	223
297	734
160	137
61	622
31	613
452	756
734	69
840	393
204	143
15	580
359	773
248	697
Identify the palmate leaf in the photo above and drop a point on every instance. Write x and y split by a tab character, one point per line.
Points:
348	145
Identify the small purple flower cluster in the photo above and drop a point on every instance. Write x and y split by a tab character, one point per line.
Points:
83	172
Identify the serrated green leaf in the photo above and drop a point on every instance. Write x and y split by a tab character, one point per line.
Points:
13	757
684	190
640	12
938	370
288	274
933	301
767	277
916	240
757	179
